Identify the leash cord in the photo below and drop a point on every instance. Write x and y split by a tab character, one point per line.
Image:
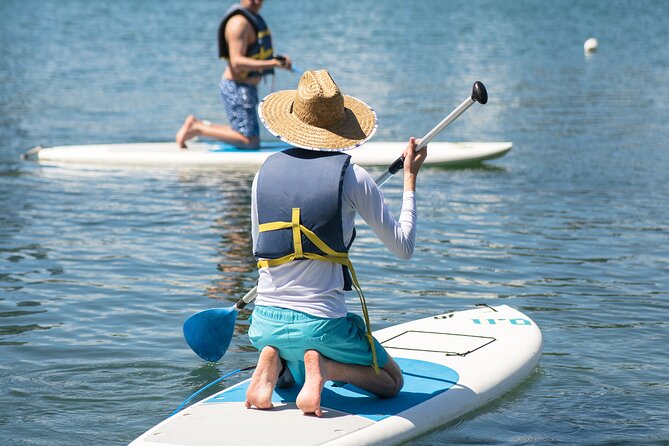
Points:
216	381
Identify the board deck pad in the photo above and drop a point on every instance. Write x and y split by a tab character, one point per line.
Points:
265	146
422	381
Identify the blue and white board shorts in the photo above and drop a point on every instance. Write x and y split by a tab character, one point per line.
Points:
240	102
292	333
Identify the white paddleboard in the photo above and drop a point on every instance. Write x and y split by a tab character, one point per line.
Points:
214	154
452	364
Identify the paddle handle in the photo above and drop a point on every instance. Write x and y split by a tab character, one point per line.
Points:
479	94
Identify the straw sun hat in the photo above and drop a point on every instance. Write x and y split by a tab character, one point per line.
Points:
317	116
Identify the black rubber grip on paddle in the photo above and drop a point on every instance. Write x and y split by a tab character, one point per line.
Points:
479	93
241	304
281	59
396	165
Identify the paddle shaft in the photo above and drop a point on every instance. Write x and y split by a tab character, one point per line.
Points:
479	94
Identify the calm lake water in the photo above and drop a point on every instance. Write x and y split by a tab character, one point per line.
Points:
100	267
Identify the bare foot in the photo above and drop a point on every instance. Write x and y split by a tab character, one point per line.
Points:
309	398
186	131
259	393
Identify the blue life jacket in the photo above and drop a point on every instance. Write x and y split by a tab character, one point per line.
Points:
299	198
261	49
311	181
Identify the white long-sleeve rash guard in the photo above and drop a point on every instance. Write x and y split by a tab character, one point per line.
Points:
316	287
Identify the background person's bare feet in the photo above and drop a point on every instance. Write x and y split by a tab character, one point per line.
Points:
187	131
309	398
259	393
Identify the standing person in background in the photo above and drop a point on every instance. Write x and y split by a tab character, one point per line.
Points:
244	40
303	206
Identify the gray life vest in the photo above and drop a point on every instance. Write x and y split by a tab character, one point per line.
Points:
312	182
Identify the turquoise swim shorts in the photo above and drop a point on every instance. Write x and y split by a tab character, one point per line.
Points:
292	333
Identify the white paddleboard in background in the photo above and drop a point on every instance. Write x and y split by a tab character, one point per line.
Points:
453	363
215	154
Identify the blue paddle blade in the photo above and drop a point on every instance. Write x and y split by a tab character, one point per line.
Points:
209	332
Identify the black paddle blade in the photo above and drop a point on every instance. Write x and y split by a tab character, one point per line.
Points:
209	332
479	93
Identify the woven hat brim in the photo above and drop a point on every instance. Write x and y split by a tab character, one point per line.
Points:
358	125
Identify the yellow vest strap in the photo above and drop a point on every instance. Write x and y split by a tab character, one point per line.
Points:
321	245
266	263
297	234
365	314
273	226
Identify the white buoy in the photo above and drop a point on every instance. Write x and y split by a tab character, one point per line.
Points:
590	45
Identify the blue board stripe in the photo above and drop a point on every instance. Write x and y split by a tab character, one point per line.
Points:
422	380
265	146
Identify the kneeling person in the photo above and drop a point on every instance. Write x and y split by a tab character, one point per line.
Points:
304	203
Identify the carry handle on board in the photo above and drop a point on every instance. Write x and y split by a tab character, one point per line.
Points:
209	332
